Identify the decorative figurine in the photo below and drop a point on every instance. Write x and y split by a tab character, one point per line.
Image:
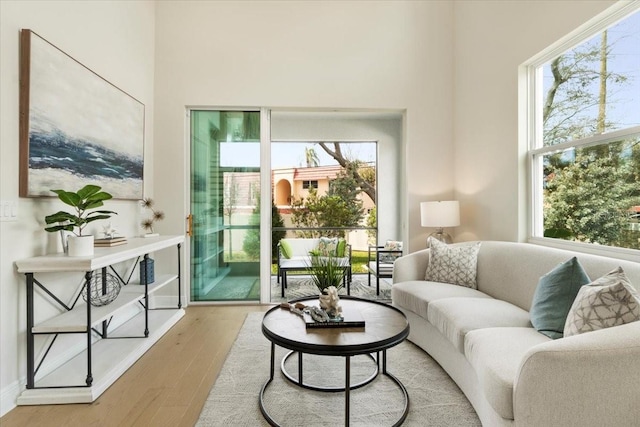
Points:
329	302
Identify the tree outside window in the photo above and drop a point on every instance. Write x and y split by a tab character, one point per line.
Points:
586	155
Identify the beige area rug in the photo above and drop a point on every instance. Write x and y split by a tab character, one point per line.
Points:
435	400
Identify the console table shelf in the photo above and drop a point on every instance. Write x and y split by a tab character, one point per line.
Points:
109	350
76	319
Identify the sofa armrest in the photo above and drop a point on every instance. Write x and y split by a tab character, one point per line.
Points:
411	267
590	379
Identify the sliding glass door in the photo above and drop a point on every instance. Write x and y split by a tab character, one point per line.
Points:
225	205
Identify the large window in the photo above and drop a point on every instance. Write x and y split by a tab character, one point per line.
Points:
584	135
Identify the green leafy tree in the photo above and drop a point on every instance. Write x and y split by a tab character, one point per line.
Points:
303	214
372	221
346	187
364	176
276	235
342	205
328	211
586	198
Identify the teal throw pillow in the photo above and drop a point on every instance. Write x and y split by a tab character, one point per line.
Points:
285	249
554	296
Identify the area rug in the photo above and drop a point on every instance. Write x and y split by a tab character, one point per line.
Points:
302	286
233	401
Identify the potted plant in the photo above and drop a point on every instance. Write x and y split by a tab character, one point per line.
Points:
328	275
84	201
326	271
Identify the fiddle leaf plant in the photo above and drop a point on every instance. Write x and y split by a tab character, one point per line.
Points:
83	201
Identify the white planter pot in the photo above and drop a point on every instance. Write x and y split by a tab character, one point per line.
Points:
80	245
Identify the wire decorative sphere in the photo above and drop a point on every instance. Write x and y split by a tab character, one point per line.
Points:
103	289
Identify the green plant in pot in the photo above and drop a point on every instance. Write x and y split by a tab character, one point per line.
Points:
326	271
84	201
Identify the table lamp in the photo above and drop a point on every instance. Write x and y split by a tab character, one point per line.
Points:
440	214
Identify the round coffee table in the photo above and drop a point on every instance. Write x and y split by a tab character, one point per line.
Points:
385	327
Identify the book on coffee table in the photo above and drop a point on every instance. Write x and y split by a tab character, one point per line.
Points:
350	319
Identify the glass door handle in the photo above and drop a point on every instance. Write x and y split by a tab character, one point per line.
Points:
190	225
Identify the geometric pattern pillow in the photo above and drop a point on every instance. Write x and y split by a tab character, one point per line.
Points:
452	264
554	296
606	302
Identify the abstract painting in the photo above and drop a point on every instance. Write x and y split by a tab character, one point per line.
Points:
76	128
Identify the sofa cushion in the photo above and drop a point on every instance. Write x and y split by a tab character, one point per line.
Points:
496	354
285	248
417	295
455	264
301	246
606	302
554	296
454	317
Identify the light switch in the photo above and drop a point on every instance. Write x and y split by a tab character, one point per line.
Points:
8	210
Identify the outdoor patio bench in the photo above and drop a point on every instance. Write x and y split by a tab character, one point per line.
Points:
294	254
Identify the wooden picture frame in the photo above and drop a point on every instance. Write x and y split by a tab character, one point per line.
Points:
76	128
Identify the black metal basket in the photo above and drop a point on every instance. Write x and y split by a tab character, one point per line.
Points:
103	289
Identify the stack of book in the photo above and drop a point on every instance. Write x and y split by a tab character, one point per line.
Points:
109	241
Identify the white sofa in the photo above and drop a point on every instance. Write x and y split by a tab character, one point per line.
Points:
511	374
300	259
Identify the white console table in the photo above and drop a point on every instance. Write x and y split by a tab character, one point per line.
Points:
108	353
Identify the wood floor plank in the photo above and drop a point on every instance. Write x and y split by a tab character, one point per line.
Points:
166	387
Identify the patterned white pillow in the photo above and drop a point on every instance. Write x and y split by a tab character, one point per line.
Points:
606	302
393	245
327	246
453	264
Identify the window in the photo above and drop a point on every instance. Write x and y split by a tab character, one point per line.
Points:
584	134
310	184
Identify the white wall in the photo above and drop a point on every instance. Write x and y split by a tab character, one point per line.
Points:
320	54
492	38
115	40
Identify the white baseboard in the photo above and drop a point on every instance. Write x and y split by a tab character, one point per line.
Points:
9	396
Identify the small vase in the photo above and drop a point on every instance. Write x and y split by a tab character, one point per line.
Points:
80	245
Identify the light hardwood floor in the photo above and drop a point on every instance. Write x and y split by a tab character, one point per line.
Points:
166	387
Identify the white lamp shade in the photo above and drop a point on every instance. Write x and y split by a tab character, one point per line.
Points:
440	214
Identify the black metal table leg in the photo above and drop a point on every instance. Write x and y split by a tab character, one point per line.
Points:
179	278
30	337
347	389
145	278
87	284
105	324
